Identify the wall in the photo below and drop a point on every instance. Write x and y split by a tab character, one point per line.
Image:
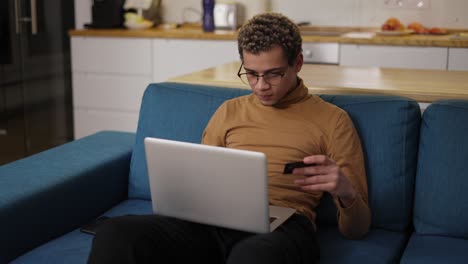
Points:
442	13
180	10
365	13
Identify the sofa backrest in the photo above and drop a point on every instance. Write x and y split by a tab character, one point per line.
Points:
388	127
441	201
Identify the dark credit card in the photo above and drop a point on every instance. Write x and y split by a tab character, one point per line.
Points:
288	168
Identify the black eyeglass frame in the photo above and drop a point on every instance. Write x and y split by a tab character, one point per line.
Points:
239	74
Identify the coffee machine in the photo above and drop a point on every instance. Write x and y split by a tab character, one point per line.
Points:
107	14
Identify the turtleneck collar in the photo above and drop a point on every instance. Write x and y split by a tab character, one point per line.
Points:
299	93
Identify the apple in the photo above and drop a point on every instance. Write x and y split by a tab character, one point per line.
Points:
393	23
437	30
417	28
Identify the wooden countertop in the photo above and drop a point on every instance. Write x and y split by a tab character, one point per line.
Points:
420	85
309	35
176	33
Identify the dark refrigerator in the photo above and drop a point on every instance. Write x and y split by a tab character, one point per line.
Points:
35	76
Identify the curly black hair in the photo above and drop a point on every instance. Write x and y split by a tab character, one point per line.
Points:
264	31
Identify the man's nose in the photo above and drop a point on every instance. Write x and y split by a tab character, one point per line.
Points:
262	84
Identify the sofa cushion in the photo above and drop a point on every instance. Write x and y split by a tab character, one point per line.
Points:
379	246
441	202
388	127
75	246
172	111
435	249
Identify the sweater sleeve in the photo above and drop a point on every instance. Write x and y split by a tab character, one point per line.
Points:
215	132
345	149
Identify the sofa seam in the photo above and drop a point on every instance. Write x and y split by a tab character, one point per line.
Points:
405	140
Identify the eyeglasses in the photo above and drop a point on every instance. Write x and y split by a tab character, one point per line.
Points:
251	78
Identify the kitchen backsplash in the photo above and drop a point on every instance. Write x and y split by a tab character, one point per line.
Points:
359	13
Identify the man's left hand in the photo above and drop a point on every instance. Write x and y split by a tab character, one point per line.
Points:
324	174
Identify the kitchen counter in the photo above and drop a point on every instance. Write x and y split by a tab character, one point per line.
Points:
176	33
421	85
310	34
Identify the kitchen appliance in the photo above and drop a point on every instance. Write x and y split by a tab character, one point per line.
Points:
35	76
228	15
107	14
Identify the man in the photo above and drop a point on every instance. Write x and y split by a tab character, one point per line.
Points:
283	121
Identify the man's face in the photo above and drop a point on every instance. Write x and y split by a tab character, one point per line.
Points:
273	63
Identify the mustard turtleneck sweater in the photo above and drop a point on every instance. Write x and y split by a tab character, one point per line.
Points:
299	125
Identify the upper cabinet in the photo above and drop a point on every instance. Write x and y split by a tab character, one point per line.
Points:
394	56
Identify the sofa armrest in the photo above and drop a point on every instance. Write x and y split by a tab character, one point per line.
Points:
50	193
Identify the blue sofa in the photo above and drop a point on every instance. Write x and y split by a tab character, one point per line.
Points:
415	170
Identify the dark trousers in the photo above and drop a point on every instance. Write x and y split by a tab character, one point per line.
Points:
159	239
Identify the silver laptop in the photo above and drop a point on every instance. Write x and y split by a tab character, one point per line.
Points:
211	185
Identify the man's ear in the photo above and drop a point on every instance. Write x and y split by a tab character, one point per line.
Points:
299	62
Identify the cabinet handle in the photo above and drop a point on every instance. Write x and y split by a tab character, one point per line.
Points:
33	17
17	16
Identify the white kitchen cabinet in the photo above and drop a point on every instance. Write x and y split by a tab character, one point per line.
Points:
109	78
108	91
327	53
175	57
111	74
130	56
89	121
394	56
458	59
